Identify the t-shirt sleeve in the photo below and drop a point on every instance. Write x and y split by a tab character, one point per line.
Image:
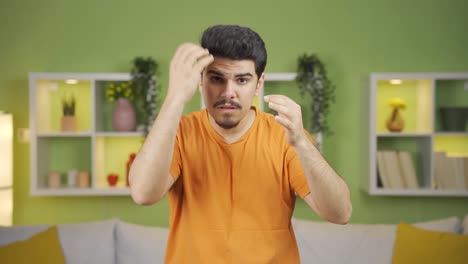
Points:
176	164
297	179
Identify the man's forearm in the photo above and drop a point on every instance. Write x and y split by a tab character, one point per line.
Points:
151	167
329	192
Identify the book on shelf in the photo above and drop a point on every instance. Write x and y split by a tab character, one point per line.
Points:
407	170
456	172
457	167
396	169
393	168
440	170
450	172
382	170
465	171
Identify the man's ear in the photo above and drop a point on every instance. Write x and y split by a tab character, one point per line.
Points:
260	82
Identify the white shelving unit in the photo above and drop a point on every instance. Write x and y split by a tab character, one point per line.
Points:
94	147
423	134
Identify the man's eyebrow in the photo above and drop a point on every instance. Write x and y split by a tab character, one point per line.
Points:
217	73
243	75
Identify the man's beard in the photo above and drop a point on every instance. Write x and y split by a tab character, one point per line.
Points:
227	125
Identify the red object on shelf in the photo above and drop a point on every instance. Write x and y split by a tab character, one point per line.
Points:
112	179
129	164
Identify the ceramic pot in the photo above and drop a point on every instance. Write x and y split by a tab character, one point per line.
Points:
123	116
83	179
68	123
54	180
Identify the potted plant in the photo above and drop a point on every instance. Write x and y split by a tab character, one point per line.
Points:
314	83
147	89
68	120
123	114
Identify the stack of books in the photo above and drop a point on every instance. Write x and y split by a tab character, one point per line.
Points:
450	172
396	170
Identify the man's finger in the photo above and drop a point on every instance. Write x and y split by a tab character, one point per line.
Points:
181	51
203	62
286	123
281	109
188	50
277	98
196	55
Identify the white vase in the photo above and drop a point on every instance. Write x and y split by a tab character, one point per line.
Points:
71	177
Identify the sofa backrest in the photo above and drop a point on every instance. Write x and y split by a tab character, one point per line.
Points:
321	242
10	234
82	243
90	242
137	244
115	241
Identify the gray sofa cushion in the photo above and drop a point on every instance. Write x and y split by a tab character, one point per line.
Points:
89	242
137	244
10	234
329	243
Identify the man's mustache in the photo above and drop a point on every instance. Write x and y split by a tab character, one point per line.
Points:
227	102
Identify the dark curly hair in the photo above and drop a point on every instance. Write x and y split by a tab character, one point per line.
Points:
236	43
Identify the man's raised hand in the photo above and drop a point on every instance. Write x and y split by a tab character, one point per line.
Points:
185	71
289	116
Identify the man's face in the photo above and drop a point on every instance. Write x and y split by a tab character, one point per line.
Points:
228	88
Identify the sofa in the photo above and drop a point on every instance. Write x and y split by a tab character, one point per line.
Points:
116	241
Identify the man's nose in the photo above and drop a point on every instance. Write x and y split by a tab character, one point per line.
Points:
229	89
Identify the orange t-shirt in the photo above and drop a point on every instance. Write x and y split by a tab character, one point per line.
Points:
233	203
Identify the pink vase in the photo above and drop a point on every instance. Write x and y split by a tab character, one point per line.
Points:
123	116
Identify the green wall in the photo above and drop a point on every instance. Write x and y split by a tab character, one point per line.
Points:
354	38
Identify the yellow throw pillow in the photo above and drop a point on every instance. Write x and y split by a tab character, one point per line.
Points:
43	247
415	245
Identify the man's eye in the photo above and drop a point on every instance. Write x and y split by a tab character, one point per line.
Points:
216	79
242	80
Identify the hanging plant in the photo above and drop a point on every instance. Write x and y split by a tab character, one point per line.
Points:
312	80
146	89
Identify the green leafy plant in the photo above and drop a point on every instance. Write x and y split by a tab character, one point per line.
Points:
117	90
147	89
68	106
313	81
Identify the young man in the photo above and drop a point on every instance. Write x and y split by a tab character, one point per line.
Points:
232	171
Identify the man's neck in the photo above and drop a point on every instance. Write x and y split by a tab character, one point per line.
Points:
233	134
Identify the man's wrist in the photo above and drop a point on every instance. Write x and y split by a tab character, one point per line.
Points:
301	141
174	101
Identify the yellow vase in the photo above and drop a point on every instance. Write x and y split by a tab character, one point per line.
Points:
395	122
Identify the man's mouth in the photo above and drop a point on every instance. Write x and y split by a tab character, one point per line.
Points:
227	105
